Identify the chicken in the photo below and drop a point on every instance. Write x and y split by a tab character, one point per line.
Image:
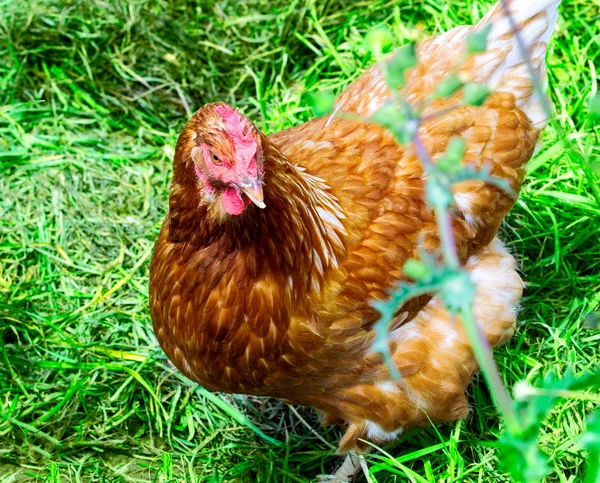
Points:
275	246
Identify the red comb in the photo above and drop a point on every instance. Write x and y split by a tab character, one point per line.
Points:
244	144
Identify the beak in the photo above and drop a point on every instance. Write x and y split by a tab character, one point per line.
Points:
254	192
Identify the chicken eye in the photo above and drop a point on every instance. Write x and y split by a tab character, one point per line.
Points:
215	158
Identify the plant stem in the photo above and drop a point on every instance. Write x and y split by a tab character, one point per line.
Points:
479	343
422	153
444	224
485	359
444	221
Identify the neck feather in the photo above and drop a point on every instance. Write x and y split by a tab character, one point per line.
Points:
299	235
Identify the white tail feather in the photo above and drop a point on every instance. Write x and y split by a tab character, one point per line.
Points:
535	21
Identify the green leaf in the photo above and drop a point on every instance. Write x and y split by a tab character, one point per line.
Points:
595	105
388	308
533	403
396	121
590	440
404	59
438	194
522	458
518	453
476	94
448	87
457	288
415	269
379	41
388	116
321	103
451	161
477	41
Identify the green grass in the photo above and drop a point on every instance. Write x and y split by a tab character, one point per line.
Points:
92	97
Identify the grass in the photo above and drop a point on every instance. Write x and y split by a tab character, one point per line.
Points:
92	97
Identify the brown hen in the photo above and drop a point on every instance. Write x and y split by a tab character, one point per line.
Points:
274	246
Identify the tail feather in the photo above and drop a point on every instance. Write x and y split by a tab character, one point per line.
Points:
503	66
535	21
535	18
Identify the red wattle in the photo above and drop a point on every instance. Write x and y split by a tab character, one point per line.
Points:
232	201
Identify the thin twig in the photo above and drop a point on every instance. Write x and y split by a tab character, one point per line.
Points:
311	429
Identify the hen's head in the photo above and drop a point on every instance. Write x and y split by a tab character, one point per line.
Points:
225	150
